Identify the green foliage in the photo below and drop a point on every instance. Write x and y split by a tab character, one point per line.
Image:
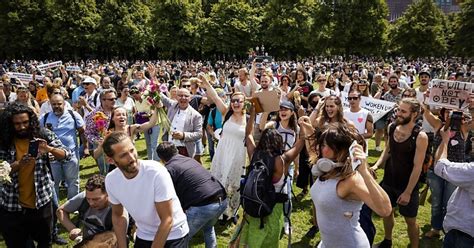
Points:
232	27
286	27
124	28
175	25
73	26
205	28
464	35
420	31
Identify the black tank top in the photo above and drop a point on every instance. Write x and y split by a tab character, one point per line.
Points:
398	170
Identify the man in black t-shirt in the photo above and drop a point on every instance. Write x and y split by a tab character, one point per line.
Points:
202	197
405	152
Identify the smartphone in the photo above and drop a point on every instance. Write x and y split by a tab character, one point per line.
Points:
355	162
259	59
455	120
33	148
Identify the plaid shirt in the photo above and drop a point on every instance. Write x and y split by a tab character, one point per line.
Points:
9	194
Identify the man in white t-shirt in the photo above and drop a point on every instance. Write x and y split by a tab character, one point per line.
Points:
145	189
361	118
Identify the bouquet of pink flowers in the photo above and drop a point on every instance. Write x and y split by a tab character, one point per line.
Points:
152	96
5	170
101	122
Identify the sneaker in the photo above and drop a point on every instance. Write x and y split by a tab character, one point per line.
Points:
287	228
378	149
386	243
312	232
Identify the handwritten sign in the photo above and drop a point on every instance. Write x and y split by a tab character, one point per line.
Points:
378	108
44	67
449	94
23	77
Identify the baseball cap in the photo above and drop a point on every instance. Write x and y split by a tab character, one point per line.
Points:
89	80
424	71
287	104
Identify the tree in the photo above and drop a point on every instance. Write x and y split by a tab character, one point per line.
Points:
286	27
23	24
420	31
231	28
350	27
175	25
124	28
464	35
73	28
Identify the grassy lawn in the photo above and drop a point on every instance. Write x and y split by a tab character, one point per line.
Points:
301	215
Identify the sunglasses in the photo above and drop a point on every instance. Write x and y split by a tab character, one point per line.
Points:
353	98
85	84
405	95
134	92
185	86
236	101
110	99
321	80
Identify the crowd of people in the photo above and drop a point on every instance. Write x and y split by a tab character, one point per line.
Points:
52	118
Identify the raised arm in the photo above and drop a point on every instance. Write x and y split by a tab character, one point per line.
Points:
212	94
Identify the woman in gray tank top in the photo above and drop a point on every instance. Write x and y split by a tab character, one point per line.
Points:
340	191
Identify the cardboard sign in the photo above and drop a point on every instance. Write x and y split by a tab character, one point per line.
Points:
377	108
450	94
23	77
44	67
268	101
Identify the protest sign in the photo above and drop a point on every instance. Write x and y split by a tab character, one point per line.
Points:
377	108
449	94
73	68
23	77
44	67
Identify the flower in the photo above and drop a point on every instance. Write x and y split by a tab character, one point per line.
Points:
5	170
152	96
101	122
163	88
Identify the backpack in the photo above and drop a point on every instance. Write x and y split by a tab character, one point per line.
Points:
70	112
257	193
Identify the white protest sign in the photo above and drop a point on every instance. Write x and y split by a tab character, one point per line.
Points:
73	68
377	108
449	94
44	67
23	77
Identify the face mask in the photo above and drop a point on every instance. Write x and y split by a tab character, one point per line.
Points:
324	165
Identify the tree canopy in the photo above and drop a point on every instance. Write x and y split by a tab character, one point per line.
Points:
72	29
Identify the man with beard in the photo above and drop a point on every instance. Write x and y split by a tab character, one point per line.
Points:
145	189
25	203
404	154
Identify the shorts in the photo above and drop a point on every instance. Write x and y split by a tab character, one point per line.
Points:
411	209
199	148
381	123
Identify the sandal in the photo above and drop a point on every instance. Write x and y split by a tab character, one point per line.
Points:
432	234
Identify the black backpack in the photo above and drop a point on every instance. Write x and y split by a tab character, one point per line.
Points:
257	193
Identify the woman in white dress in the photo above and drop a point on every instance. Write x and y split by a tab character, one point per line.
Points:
229	159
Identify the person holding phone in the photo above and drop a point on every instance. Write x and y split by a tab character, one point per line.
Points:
441	189
26	203
341	187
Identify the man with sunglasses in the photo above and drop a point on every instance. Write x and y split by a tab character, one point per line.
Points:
89	99
107	103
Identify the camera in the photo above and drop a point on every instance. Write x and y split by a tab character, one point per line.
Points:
455	120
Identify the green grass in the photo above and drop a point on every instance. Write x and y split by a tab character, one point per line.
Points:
301	215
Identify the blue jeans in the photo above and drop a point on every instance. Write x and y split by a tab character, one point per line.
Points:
103	165
210	144
151	140
458	239
204	217
69	172
441	190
